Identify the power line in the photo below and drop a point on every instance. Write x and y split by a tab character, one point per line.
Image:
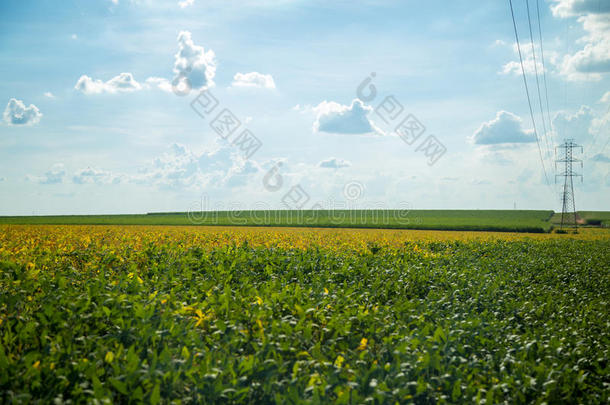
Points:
546	91
529	22
527	92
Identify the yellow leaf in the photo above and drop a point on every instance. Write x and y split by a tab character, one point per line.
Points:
314	380
363	344
339	361
259	300
325	291
36	365
109	357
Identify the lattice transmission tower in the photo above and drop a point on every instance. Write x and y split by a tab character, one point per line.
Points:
568	207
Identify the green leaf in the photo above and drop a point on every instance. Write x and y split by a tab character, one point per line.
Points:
155	396
118	385
456	393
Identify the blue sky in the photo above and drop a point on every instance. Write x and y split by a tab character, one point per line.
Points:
92	123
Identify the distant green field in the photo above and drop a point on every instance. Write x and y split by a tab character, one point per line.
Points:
591	218
596	217
486	220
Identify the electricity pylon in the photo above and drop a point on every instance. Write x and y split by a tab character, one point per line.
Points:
568	208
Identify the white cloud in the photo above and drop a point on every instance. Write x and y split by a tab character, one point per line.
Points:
215	168
588	127
587	64
193	67
90	176
194	63
605	98
159	83
334	163
253	79
577	125
181	168
48	94
124	82
505	128
16	113
514	67
571	8
591	62
332	117
74	36
54	176
241	173
185	3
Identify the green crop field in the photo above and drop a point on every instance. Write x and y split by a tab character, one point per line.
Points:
488	220
189	315
596	217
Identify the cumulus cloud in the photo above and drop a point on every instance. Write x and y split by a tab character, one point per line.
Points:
577	125
334	163
90	176
48	94
194	68
54	176
505	128
159	83
192	62
16	113
185	3
182	168
591	62
332	117
253	79
124	82
571	8
241	173
514	67
588	127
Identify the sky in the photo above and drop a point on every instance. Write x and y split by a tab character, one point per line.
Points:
135	106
